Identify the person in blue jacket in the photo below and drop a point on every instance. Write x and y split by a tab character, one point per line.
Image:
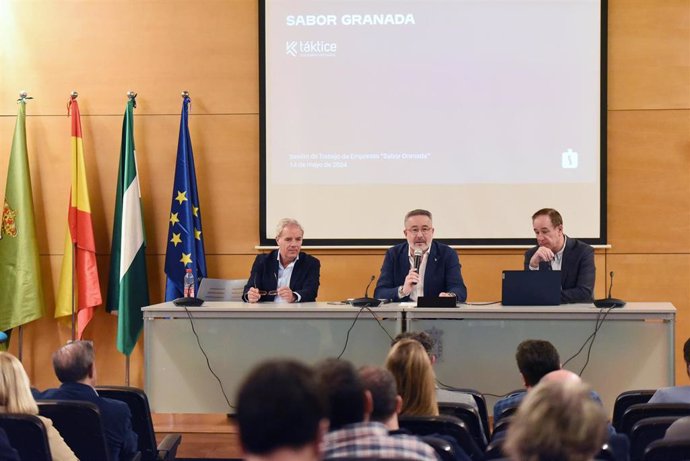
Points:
285	275
439	269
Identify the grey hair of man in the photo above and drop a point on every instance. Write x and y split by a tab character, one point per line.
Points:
285	222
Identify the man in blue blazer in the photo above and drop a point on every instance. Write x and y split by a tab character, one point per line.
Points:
556	251
439	269
284	275
75	367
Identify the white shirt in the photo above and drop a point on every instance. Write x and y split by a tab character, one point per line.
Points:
284	276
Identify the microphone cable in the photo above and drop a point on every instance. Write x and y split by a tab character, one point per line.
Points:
347	336
590	339
208	362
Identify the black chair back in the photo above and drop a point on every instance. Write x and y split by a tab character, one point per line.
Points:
668	450
470	416
646	431
442	447
480	400
142	423
625	400
501	427
79	424
443	425
27	435
494	450
640	411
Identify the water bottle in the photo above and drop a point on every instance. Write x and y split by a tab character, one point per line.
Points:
188	284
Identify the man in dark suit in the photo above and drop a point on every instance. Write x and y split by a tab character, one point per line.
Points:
284	275
557	251
75	367
439	272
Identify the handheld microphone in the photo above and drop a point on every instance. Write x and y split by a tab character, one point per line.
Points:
417	260
609	302
366	301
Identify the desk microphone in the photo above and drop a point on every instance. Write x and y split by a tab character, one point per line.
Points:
366	301
609	302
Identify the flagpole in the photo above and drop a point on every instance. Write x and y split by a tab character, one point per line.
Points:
126	370
131	95
75	287
20	351
23	96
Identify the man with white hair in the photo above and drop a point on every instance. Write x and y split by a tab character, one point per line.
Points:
285	275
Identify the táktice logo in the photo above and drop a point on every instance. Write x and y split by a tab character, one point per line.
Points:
310	48
291	48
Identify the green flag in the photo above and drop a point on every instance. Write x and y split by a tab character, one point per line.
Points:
21	287
128	286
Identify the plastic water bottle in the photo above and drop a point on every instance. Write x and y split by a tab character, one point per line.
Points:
188	284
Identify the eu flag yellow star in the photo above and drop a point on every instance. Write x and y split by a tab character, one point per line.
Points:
174	219
176	239
181	197
186	258
195	210
197	234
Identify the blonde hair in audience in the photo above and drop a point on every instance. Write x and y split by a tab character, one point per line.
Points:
15	389
409	363
557	420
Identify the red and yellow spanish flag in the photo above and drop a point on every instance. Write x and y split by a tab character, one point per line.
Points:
80	246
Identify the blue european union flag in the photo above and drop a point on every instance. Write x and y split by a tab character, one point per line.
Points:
185	239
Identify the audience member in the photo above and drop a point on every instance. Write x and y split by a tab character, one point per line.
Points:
15	397
281	413
352	432
535	358
75	367
557	420
675	394
410	365
442	395
387	403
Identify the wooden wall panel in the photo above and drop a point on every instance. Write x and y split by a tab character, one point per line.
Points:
649	54
649	181
155	47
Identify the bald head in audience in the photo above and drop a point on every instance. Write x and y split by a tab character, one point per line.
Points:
557	420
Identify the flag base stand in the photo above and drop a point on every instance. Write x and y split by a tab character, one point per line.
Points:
188	302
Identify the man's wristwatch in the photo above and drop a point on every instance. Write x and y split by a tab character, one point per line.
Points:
401	293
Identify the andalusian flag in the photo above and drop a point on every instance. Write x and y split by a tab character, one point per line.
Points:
79	240
185	240
21	287
128	287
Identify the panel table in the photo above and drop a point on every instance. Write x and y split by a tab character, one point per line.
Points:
633	348
236	336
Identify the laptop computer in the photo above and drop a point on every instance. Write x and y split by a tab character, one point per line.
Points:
531	288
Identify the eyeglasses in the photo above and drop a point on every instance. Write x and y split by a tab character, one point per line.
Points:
264	292
415	230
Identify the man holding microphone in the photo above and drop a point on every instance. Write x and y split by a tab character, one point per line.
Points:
420	266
